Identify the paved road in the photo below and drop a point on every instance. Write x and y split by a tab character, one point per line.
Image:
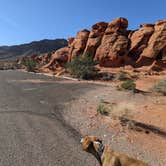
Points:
32	131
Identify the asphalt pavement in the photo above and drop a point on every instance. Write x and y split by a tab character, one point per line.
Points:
32	129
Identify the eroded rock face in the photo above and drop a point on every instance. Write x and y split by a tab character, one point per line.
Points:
139	40
117	25
114	45
59	57
79	43
156	46
95	38
70	41
42	59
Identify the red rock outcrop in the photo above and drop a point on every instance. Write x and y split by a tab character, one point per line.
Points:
115	44
78	44
95	38
156	46
70	41
41	59
59	57
139	40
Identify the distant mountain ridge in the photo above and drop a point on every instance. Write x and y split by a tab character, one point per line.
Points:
35	47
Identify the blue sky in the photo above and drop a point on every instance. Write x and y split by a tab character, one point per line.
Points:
23	21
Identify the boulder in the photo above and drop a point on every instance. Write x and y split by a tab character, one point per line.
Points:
139	40
59	57
41	59
70	41
95	38
156	47
117	25
78	45
114	45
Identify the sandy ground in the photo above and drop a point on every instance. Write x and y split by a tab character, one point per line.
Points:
147	108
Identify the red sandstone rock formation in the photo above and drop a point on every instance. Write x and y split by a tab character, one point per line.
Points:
95	38
156	46
59	57
139	40
78	44
113	45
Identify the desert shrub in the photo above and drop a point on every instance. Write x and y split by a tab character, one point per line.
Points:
106	76
116	110
30	65
122	76
160	87
82	67
102	109
128	85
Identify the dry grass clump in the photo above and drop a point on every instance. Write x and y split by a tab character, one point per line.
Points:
128	85
122	76
160	87
116	111
103	109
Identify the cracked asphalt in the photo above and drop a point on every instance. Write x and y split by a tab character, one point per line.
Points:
32	129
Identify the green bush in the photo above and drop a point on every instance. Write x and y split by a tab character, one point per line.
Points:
102	109
128	85
160	87
122	76
30	65
82	67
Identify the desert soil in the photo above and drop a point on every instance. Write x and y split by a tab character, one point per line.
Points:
147	108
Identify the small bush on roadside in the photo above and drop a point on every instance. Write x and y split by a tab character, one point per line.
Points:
160	87
122	76
102	109
30	65
83	67
106	76
116	110
128	85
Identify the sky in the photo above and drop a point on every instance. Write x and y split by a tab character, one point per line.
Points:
22	21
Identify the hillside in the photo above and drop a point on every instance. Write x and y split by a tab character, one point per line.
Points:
36	47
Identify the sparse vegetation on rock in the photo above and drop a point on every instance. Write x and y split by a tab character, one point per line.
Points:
83	67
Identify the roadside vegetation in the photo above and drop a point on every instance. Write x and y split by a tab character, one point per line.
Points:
116	111
122	76
103	109
160	87
128	85
30	65
83	67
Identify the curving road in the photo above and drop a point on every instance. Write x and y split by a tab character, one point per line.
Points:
32	130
